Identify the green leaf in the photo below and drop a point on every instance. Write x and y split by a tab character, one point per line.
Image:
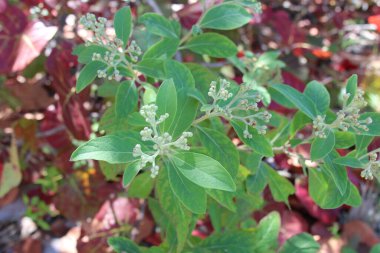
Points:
164	49
85	56
258	142
88	74
158	25
112	171
220	148
130	172
150	95
203	171
225	16
301	243
202	77
212	44
112	148
257	182
344	140
300	120
267	232
191	195
141	186
362	142
279	186
299	100
167	103
224	198
180	218
187	108
375	248
10	177
321	147
374	127
152	67
351	87
126	99
349	162
122	244
180	74
337	172
318	93
123	24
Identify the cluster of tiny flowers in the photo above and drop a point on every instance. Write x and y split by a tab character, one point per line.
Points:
243	102
220	93
372	168
347	118
115	56
162	142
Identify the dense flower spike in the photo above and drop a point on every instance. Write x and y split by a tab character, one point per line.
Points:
242	106
347	118
162	142
116	57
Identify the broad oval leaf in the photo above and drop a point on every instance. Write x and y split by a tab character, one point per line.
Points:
126	99
225	16
299	100
88	74
159	25
318	93
130	172
303	242
203	171
123	24
111	148
258	142
374	127
191	195
321	147
349	162
220	148
212	44
166	102
85	55
164	49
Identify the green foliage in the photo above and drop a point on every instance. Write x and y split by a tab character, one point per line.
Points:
192	143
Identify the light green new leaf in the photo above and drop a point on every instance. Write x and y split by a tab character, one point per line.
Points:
352	86
88	74
258	142
212	44
191	195
111	148
158	25
166	102
344	140
321	147
227	16
220	148
126	99
130	172
318	93
301	243
299	100
123	244
123	24
203	171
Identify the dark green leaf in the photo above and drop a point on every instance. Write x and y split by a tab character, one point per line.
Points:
164	49
130	172
152	67
159	25
85	56
349	162
337	172
301	243
167	103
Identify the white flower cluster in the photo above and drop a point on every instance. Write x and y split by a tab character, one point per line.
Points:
243	106
163	143
347	118
372	168
115	55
